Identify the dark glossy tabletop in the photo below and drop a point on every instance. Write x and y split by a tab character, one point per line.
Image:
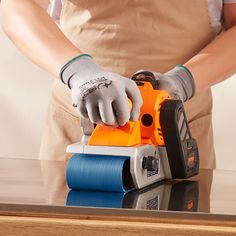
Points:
26	183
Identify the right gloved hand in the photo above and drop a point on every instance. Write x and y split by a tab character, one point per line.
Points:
178	82
100	95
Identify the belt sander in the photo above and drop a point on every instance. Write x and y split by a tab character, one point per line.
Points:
158	146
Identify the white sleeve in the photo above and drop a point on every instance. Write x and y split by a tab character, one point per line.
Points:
55	9
229	1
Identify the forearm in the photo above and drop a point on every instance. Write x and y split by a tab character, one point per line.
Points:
216	62
36	35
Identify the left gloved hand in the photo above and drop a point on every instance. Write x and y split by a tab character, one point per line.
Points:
178	82
100	95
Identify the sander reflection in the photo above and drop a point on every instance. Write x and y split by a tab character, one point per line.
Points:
170	195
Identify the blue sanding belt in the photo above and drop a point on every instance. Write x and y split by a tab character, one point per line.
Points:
99	173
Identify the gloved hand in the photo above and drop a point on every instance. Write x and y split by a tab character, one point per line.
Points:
100	95
178	82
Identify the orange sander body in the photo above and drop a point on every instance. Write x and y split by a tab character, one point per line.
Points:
159	144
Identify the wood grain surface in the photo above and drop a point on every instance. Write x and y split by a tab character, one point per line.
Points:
51	226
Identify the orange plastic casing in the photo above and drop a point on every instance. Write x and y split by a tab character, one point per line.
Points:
146	130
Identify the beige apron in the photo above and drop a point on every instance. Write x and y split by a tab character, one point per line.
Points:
126	36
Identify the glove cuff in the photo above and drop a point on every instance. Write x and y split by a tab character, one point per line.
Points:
185	79
72	66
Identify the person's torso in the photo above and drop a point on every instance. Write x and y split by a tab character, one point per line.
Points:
215	8
125	36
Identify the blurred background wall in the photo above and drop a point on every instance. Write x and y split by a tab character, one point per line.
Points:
25	92
24	95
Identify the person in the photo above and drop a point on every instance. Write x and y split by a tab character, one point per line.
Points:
104	42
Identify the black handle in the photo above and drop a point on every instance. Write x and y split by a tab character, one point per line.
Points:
145	76
182	150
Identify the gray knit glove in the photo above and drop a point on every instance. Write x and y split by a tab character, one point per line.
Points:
100	95
178	82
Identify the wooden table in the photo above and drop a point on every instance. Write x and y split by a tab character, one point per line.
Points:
33	198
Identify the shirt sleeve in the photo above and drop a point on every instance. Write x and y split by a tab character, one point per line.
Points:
54	9
229	1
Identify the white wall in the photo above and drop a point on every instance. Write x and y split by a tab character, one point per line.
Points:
24	94
224	123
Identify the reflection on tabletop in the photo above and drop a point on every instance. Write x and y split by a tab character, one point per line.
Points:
44	183
173	195
170	196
